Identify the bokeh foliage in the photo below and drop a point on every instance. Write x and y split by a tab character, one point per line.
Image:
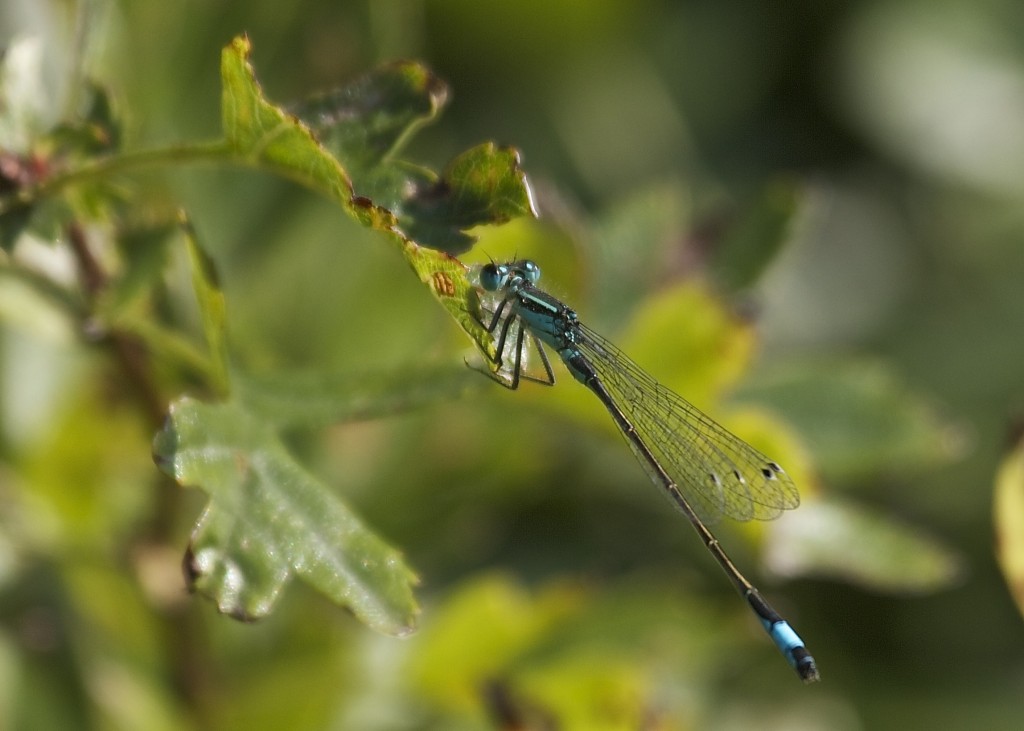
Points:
813	259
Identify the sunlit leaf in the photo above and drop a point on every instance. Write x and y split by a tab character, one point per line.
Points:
834	539
592	691
1008	516
609	666
573	658
448	281
479	632
268	519
691	342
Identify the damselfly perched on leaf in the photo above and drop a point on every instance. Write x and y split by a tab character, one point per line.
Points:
705	470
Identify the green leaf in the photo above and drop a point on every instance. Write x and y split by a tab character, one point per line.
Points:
212	307
94	132
263	134
1008	516
484	185
365	122
857	417
751	245
448	281
268	519
891	556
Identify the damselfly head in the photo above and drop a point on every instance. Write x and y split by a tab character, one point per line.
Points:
494	276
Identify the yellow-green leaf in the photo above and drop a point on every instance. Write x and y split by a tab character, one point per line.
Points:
1008	508
832	538
212	307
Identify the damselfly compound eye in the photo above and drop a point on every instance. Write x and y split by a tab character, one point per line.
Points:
531	272
493	276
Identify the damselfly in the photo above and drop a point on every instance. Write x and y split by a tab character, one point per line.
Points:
705	470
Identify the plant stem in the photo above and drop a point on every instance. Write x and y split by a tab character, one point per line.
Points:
216	151
129	352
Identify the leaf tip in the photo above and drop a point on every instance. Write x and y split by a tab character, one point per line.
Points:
241	45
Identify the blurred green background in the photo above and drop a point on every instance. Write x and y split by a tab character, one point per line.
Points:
551	573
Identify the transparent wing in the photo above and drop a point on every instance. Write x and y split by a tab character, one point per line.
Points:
717	472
